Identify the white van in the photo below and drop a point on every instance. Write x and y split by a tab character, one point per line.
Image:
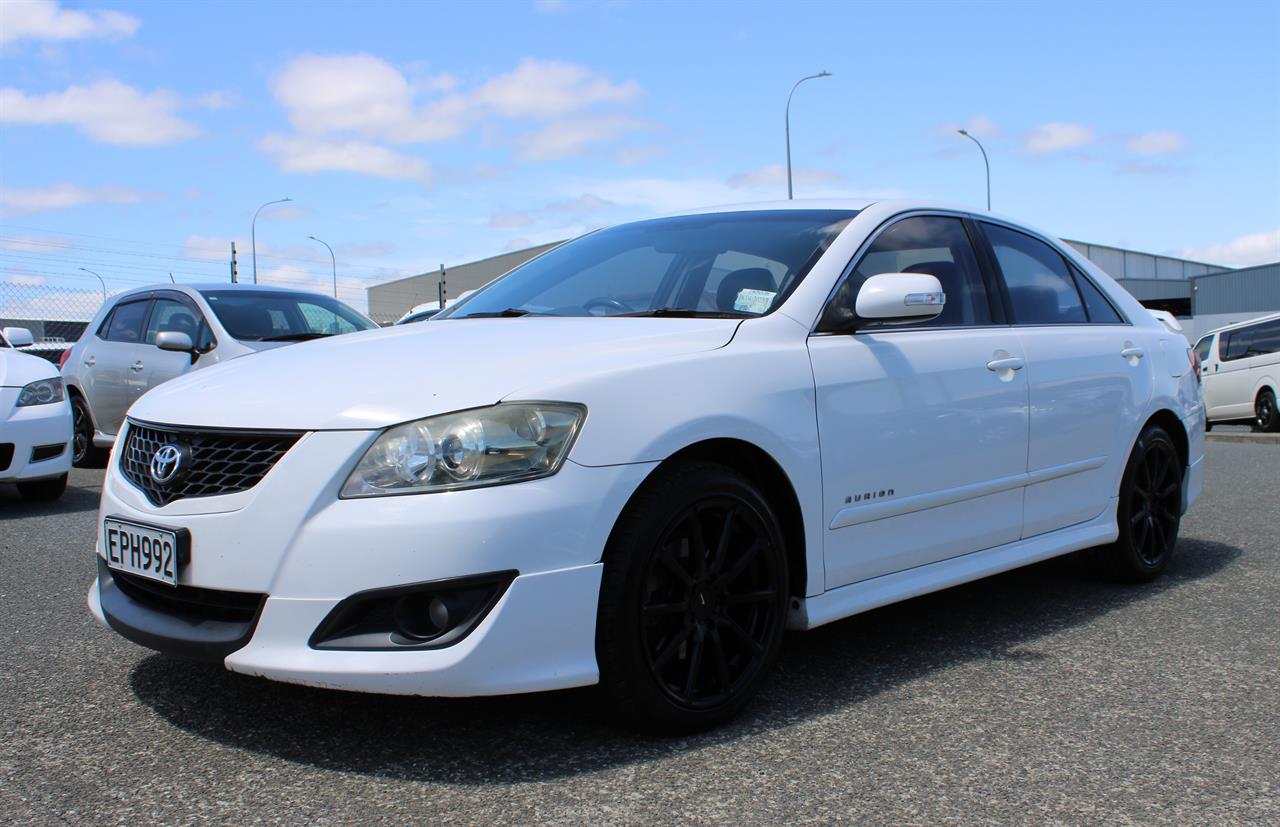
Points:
1241	369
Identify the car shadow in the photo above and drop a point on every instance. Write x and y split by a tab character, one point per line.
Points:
550	735
74	499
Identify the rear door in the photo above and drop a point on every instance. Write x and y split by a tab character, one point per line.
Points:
1090	375
923	427
118	364
1232	382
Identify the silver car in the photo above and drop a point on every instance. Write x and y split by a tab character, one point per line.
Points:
149	335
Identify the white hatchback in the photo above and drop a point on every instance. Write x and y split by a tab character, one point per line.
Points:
639	458
35	421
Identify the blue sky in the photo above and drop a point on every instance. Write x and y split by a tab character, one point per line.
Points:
138	138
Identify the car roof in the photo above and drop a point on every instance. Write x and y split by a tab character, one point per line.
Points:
190	288
1267	318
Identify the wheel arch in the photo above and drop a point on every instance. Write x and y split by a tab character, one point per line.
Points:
73	390
1169	421
761	468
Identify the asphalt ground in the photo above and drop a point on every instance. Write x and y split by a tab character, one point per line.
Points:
1039	696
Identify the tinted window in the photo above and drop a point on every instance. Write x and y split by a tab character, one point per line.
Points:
277	316
934	245
125	324
1265	339
1040	288
1100	309
1254	340
742	264
168	314
1202	348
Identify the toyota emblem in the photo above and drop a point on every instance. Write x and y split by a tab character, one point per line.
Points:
166	463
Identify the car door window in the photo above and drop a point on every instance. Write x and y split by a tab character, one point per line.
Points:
1202	348
1040	287
936	245
126	321
1098	306
1265	339
170	314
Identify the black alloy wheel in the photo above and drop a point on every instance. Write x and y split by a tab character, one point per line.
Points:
1265	416
1149	510
83	452
694	599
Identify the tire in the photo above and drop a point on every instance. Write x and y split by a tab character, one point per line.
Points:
693	599
43	490
1149	511
84	454
1265	415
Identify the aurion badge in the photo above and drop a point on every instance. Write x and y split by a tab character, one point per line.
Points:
165	463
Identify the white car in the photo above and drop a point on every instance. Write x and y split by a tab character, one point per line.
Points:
1240	365
638	458
35	421
149	335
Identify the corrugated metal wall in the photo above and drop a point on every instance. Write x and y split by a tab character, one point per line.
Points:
1144	289
1248	290
1129	264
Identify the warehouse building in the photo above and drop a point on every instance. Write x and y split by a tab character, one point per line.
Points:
1203	296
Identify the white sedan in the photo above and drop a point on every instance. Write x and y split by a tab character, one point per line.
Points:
35	421
638	458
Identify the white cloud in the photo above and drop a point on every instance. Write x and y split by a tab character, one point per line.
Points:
1055	137
508	220
45	20
630	156
582	204
216	100
573	136
108	111
777	174
1247	250
1156	143
20	200
306	154
551	88
979	126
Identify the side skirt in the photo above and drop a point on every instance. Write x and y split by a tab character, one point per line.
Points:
810	612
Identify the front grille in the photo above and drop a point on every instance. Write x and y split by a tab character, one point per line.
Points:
190	601
220	462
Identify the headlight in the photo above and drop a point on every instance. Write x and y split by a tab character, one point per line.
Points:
504	443
43	392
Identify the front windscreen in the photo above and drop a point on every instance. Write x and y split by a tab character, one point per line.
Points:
274	316
735	265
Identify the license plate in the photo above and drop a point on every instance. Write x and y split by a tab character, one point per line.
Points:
147	551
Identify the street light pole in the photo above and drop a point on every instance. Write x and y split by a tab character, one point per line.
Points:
822	74
100	281
332	260
985	163
253	234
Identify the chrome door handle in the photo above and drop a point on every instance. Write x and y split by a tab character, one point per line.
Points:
136	367
1009	363
1133	353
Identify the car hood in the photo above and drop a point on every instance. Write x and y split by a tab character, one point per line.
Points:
380	377
18	369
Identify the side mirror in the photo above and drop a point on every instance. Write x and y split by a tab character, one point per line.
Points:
19	336
175	340
900	297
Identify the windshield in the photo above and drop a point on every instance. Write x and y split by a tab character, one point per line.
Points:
732	265
273	316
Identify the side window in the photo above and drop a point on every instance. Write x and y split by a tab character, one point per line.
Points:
1040	287
125	324
169	314
1202	348
935	245
1224	344
323	320
1265	339
1100	309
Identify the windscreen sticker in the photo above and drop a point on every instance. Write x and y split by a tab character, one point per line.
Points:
753	301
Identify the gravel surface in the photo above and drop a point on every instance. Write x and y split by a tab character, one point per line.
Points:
1040	696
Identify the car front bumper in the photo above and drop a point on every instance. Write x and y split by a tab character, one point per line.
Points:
304	550
30	427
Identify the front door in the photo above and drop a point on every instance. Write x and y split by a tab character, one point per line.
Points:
923	428
118	365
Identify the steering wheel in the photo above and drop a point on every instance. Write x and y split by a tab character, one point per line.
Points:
605	301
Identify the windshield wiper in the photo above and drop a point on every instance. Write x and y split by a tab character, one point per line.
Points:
509	313
688	313
294	337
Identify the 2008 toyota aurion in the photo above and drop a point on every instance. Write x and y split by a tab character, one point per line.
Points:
639	458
